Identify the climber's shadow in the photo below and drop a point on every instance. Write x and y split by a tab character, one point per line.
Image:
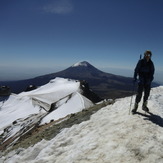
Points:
153	118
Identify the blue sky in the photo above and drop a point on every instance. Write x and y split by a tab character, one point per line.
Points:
45	36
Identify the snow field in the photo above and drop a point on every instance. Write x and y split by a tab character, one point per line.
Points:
111	135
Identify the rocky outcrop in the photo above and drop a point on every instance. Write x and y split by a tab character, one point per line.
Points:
5	91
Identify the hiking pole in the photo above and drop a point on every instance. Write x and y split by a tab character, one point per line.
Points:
133	90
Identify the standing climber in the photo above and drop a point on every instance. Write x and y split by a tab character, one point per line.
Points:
145	70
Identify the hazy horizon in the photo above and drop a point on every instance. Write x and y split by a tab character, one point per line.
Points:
39	37
28	73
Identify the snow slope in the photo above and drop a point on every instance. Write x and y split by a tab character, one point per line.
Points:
21	112
66	107
16	108
110	136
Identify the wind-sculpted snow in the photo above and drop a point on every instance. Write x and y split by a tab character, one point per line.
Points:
22	112
17	108
110	136
66	106
53	91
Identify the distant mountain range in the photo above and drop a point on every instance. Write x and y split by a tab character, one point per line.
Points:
104	84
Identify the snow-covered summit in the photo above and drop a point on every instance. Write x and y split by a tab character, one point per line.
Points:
84	63
111	135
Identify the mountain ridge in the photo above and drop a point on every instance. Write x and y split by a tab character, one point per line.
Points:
106	85
50	102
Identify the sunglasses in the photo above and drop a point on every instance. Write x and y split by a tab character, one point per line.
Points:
148	55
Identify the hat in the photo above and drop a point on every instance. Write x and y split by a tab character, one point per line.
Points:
148	52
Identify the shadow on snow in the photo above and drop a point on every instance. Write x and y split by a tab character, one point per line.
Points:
153	118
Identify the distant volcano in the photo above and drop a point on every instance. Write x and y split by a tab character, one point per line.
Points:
106	85
81	71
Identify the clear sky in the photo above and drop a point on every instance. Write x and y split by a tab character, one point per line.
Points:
45	36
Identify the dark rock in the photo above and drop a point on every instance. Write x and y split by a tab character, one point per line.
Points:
30	88
5	90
